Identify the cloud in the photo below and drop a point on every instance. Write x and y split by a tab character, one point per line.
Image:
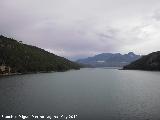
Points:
81	28
156	15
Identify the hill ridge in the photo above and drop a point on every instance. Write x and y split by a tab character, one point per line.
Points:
23	58
147	62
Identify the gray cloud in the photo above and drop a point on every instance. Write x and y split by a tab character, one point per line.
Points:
156	15
80	28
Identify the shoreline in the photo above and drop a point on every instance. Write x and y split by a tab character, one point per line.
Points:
12	74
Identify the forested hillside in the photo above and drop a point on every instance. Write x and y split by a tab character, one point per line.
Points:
148	62
16	57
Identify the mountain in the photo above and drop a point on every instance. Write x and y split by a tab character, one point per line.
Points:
148	62
109	60
16	57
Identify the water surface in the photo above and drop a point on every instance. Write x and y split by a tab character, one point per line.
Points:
92	94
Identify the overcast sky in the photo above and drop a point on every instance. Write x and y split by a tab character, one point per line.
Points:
80	28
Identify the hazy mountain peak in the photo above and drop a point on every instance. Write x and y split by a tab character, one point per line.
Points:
110	59
131	53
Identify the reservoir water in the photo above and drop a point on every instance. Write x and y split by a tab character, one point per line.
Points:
90	94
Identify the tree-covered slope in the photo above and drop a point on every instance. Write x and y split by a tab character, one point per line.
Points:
22	58
148	62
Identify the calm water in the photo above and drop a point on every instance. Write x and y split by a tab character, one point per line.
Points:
91	94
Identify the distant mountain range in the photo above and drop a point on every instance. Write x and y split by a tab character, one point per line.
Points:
148	62
109	60
16	57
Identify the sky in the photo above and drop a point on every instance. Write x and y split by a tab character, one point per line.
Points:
81	28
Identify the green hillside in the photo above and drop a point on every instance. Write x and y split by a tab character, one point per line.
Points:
16	57
148	62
